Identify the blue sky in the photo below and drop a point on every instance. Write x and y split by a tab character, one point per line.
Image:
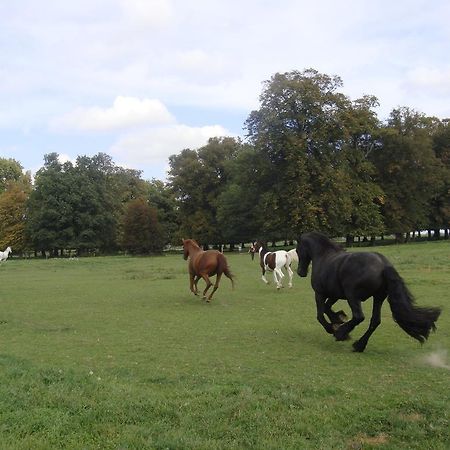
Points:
143	79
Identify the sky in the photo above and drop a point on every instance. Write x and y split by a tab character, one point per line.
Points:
142	80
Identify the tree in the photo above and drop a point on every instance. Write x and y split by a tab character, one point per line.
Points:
362	129
10	170
161	196
142	231
440	204
95	204
238	206
13	214
74	206
197	178
316	141
408	171
50	212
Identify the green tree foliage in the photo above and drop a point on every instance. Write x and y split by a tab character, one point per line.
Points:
365	197
409	172
238	214
73	206
49	211
13	214
142	231
197	178
317	143
95	205
10	170
314	160
161	196
440	203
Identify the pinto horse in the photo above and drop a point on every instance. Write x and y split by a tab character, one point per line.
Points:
205	264
274	262
293	255
355	277
4	255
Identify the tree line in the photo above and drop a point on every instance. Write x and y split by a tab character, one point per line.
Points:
312	159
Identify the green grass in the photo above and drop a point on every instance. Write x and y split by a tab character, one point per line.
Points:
115	352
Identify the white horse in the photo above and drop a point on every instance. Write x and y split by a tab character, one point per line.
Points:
273	261
4	255
293	255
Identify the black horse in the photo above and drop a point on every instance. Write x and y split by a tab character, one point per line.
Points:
355	277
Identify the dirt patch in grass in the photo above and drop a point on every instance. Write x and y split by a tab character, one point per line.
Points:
413	417
362	439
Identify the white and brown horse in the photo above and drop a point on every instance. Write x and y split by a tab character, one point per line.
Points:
273	262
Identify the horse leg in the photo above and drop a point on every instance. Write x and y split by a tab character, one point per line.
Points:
290	273
277	281
341	334
336	318
263	276
197	277
375	320
193	280
320	304
208	285
216	285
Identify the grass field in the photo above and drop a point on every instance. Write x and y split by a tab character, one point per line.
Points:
115	352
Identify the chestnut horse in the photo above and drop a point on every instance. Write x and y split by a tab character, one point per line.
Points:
205	264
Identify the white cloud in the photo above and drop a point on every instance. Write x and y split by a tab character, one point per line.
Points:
125	112
148	12
205	57
63	158
203	65
154	146
432	79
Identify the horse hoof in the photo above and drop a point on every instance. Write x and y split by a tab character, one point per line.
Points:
357	347
341	336
342	316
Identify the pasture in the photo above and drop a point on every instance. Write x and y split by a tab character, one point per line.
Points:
116	352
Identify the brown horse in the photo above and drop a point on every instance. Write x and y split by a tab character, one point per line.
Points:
205	264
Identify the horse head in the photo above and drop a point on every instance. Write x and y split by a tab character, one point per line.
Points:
251	250
189	246
304	258
257	246
185	249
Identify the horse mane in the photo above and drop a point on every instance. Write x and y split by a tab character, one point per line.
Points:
323	241
192	241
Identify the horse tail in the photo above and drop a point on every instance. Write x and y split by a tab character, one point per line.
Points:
414	320
228	274
226	270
